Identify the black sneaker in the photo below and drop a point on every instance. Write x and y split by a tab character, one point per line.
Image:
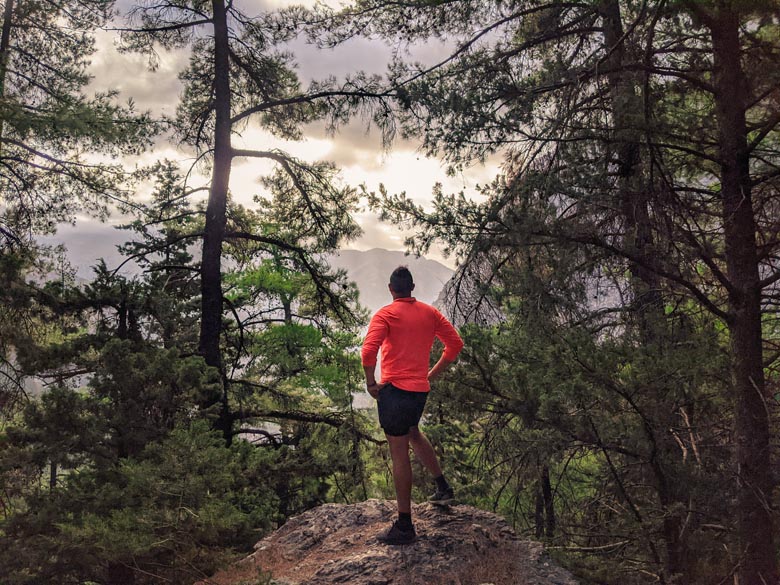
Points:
397	535
443	497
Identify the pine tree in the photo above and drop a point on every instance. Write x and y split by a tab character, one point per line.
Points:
115	461
628	165
239	73
51	132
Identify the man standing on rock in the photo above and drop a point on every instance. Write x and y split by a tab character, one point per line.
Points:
404	330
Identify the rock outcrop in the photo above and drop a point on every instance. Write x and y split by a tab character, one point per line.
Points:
336	543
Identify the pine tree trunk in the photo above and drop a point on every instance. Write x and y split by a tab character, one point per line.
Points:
758	565
214	232
539	513
549	507
5	44
633	190
634	198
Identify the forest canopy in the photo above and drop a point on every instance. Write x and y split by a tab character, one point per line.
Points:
617	281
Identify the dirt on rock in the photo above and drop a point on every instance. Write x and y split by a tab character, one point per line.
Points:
336	543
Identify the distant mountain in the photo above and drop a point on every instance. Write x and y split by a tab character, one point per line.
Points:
371	269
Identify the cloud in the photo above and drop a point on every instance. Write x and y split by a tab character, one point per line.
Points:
129	73
411	172
358	142
379	234
359	54
356	147
89	240
362	162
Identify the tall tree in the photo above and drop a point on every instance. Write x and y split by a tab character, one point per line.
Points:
627	134
120	439
734	93
240	73
59	147
51	132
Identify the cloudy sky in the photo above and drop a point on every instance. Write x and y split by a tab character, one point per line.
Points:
355	149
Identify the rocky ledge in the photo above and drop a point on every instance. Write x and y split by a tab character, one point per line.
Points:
336	543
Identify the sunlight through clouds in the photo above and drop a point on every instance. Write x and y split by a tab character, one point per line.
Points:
356	148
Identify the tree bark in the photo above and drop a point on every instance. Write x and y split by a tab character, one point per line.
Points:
549	506
214	232
633	191
5	44
539	513
754	503
634	194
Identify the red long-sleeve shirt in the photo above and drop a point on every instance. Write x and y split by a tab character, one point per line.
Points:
404	330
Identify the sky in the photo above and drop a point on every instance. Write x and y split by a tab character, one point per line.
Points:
356	149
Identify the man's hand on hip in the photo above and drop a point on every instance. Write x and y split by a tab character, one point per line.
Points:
373	389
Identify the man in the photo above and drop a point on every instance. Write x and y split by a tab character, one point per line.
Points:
404	330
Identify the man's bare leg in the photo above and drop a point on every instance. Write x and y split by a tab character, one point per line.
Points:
402	472
402	531
424	451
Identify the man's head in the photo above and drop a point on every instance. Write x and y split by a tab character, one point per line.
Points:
401	283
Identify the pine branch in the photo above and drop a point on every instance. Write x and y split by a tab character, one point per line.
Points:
308	98
334	420
167	28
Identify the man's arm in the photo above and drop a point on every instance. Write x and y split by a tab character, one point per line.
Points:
439	368
452	345
377	331
371	386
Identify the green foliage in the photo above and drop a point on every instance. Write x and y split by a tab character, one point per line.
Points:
168	511
113	470
607	419
50	126
602	267
593	405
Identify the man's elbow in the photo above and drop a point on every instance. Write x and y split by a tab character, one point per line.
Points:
451	353
368	357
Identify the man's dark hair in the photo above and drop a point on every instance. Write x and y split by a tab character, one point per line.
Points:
401	281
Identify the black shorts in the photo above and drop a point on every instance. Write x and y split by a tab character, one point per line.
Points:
400	410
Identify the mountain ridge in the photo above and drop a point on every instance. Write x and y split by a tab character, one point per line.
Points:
370	270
